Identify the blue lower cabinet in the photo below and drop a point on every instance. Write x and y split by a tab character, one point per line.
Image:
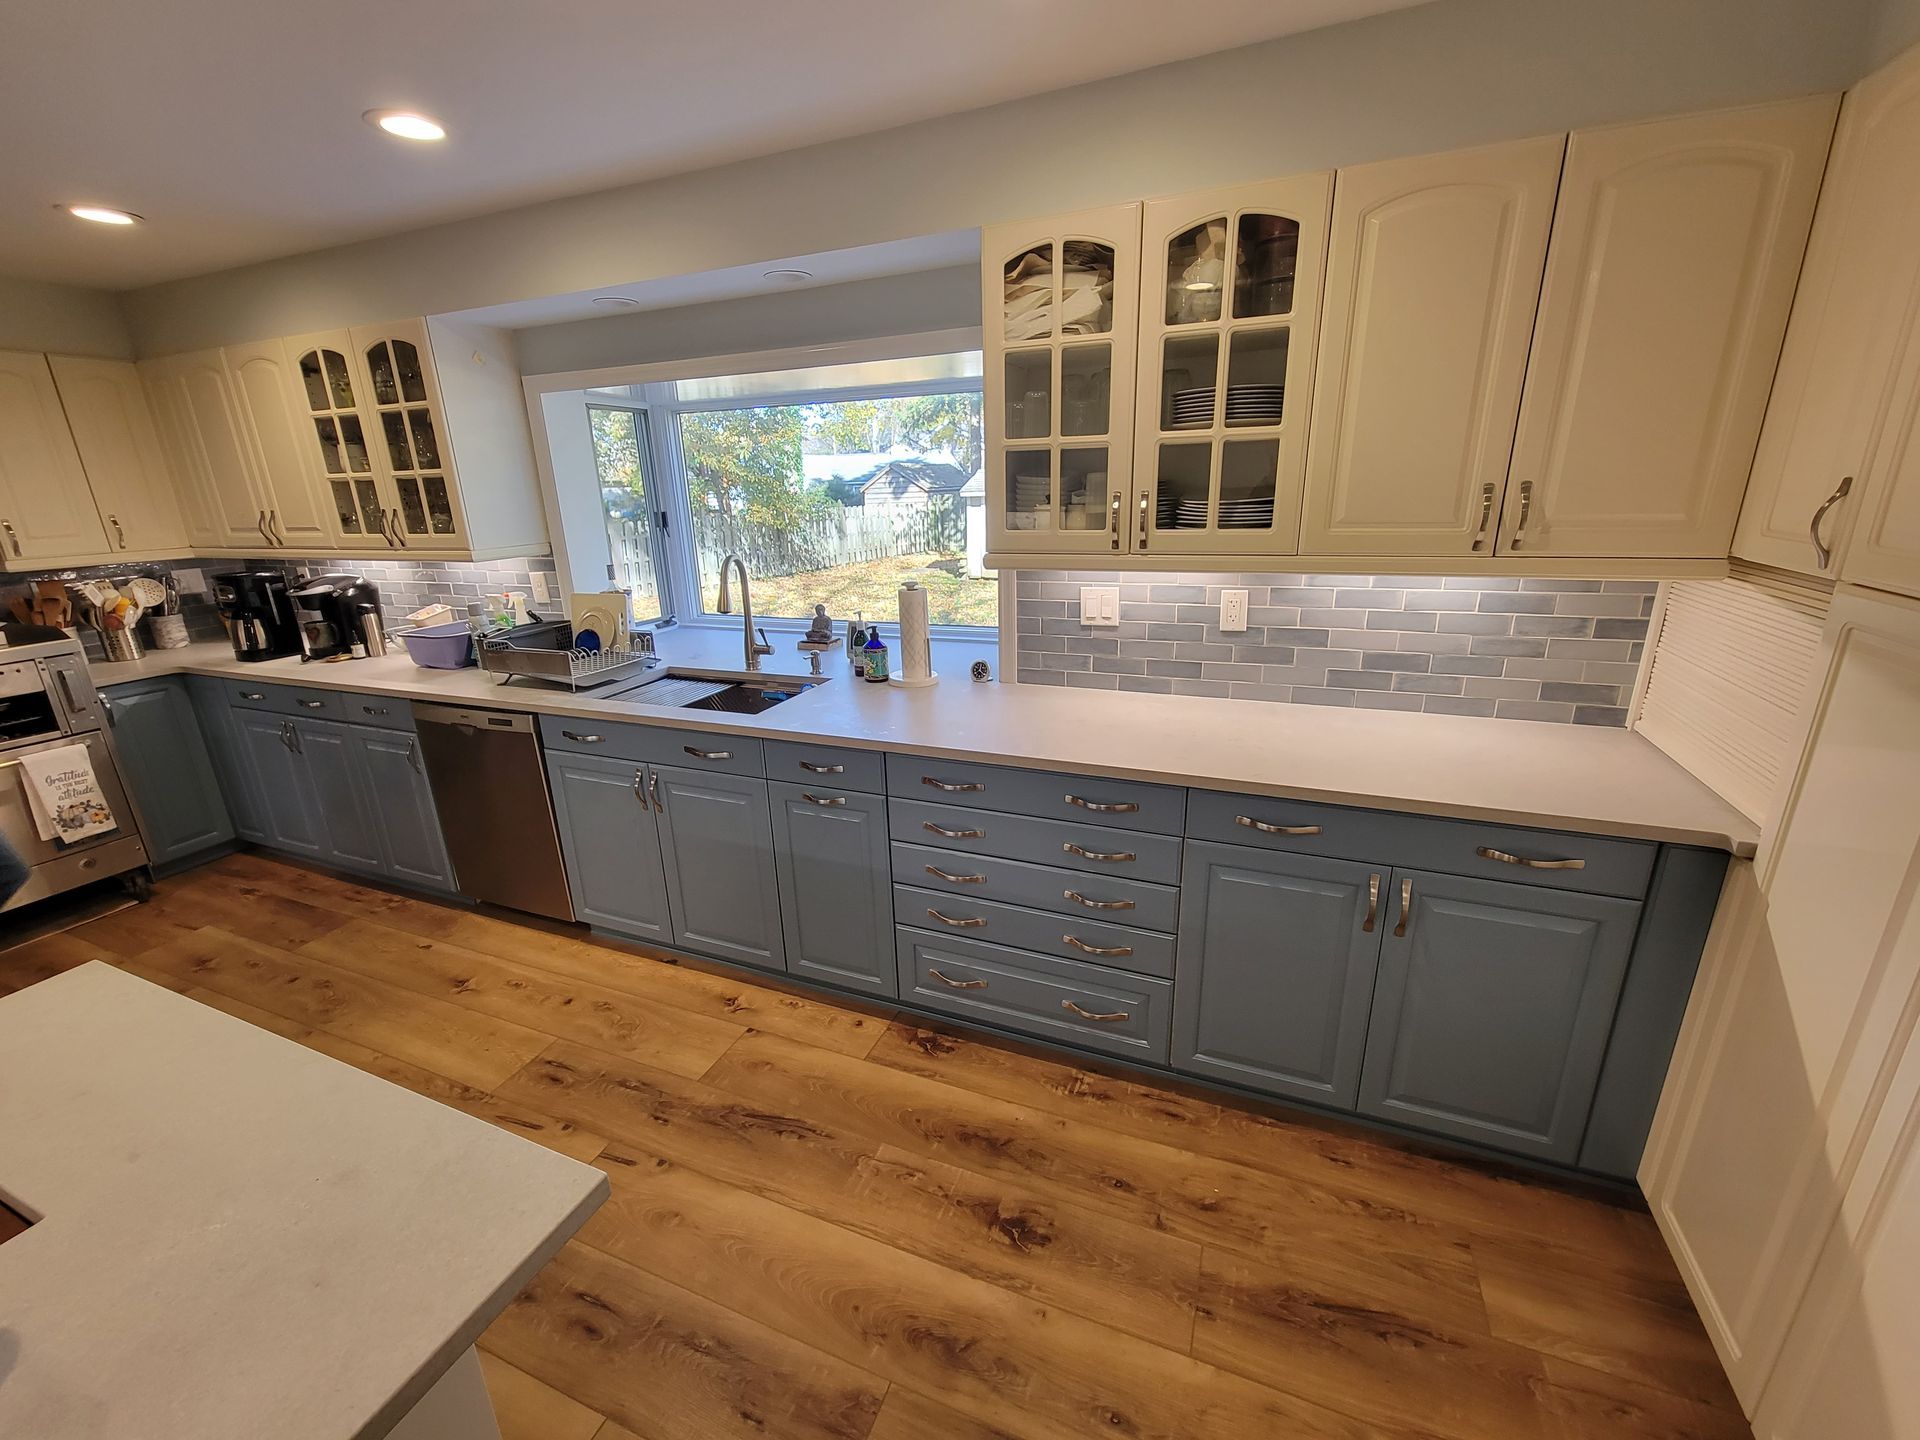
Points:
716	835
1492	1008
220	728
414	849
167	769
289	816
831	859
1276	970
610	837
347	815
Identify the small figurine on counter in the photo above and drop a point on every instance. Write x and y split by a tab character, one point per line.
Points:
820	632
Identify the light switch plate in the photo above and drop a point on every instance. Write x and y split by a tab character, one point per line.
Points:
542	591
1099	604
1233	610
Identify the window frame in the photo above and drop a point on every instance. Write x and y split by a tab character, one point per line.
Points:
663	578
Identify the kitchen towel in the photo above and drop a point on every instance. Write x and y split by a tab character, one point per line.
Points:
65	794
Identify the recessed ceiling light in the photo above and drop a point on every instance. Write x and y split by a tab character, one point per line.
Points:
616	302
103	214
406	124
788	276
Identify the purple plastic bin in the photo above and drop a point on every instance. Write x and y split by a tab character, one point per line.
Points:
440	647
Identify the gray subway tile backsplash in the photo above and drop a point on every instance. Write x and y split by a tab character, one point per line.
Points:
1560	651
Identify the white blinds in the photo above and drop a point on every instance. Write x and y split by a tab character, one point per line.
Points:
1729	666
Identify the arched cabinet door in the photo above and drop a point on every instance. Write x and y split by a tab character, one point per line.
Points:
1433	276
1675	249
1061	297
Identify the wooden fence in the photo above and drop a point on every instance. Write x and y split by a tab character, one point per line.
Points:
847	535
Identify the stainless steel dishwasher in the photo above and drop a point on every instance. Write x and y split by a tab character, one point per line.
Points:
490	787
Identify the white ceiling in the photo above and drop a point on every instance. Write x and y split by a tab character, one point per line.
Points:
234	126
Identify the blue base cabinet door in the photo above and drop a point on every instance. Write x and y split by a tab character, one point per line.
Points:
1275	970
611	841
1492	1010
167	769
396	779
831	857
716	835
347	813
289	813
219	725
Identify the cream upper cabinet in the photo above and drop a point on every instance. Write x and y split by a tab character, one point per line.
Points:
297	512
1229	315
1884	550
229	511
46	510
1433	275
1851	316
1675	249
408	436
113	429
1062	309
333	419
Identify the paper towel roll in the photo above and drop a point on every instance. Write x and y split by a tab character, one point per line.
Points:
915	665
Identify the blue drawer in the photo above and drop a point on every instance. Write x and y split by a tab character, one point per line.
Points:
1123	804
807	764
287	699
1066	937
656	744
1134	903
1072	845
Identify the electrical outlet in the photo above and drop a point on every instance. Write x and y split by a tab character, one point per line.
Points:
1233	610
542	591
1099	604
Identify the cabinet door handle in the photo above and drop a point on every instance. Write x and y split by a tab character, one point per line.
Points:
413	756
950	788
1373	904
809	766
1406	904
956	984
1268	828
653	789
385	522
640	785
12	539
1487	852
1526	509
1107	1019
312	704
261	526
1486	514
1077	943
278	535
286	735
1110	857
119	535
813	799
952	879
1821	550
1114	523
707	754
970	922
1143	522
374	709
584	738
1123	807
953	834
1079	899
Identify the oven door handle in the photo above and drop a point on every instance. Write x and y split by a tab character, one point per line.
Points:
74	707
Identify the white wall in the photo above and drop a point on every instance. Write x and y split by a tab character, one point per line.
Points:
1452	73
1892	25
62	319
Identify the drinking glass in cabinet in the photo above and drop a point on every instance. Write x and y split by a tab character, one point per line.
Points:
1083	488
329	445
355	444
413	384
380	367
1196	273
1028	294
439	504
348	511
396	430
1029	490
424	445
339	382
1183	496
1086	385
1029	394
314	381
1247	471
1086	288
1188	374
1257	376
413	512
1265	257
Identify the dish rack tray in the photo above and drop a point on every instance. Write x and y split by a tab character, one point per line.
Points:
546	652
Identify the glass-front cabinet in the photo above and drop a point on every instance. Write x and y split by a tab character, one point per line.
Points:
407	413
1061	301
329	394
1228	314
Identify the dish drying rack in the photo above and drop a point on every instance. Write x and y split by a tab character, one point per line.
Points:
545	651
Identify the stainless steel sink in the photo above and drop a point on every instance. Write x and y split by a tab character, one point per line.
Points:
738	692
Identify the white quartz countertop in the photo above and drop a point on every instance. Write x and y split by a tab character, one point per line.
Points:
1582	778
236	1236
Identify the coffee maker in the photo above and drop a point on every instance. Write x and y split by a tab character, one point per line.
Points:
258	614
339	615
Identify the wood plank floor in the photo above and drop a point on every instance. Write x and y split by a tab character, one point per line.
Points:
832	1223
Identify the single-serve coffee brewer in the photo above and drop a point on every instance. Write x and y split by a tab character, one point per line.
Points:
258	614
339	615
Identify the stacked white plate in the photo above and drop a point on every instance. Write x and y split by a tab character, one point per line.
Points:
1246	514
1255	404
1192	408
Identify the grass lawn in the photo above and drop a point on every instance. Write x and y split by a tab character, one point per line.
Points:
870	588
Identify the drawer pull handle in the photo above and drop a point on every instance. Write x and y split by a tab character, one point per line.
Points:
1124	807
374	709
953	879
1373	904
707	754
1107	1019
251	695
1266	827
588	738
1406	904
971	922
1111	857
1079	899
953	834
1487	852
950	788
313	704
813	799
809	766
1077	943
957	984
